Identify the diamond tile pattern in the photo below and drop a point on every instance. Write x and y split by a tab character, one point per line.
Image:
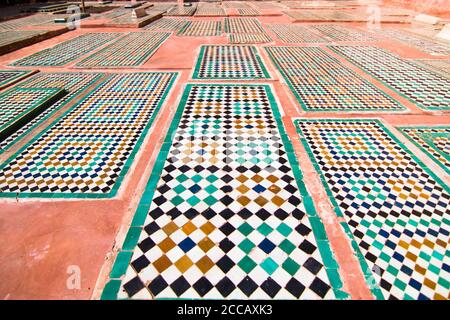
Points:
88	150
72	82
433	140
229	62
397	211
427	89
321	83
226	219
68	51
133	49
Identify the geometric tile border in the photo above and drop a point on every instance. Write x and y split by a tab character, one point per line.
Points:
427	89
433	140
197	234
87	151
67	51
133	49
396	210
321	83
72	82
229	62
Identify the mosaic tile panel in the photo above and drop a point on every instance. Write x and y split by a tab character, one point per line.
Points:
200	28
73	84
133	49
342	33
8	77
209	11
68	51
166	24
18	104
243	38
420	43
434	141
181	11
223	216
295	34
243	25
88	150
37	19
428	90
229	62
396	209
248	12
321	83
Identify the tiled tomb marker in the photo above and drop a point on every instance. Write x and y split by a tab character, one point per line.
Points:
321	83
67	51
88	150
396	209
199	28
229	62
425	88
433	140
225	213
8	77
72	82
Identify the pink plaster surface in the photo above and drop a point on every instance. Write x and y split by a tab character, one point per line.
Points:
43	238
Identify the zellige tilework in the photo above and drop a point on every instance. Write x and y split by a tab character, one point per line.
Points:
201	28
10	76
396	209
68	51
243	25
296	34
222	215
243	38
18	105
133	49
342	33
166	24
427	89
88	150
73	83
229	62
321	83
433	140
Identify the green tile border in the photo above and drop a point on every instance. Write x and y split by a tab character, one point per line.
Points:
112	287
14	124
418	104
139	62
306	108
21	74
201	56
375	289
76	94
402	130
125	167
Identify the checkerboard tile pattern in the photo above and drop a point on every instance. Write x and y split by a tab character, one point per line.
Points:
243	25
396	209
321	83
68	51
418	42
244	38
73	84
18	103
342	33
88	150
9	76
427	89
226	219
199	28
433	140
166	24
133	49
289	33
229	62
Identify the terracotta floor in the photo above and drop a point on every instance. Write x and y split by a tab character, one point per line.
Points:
45	238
